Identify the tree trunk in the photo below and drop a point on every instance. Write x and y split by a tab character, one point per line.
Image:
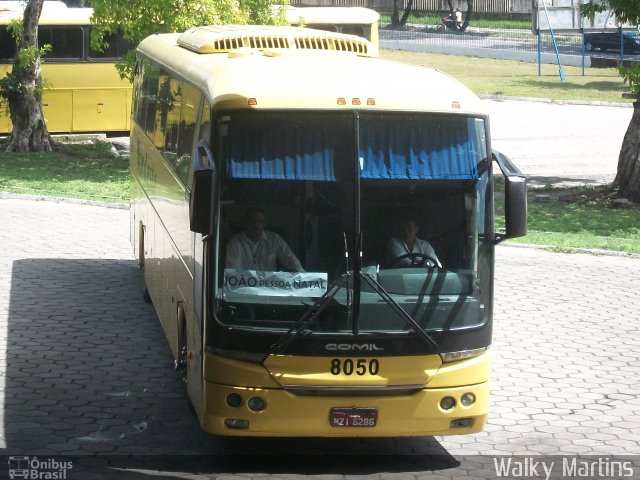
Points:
627	179
395	16
407	11
30	132
467	17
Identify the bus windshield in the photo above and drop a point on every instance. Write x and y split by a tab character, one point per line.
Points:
353	219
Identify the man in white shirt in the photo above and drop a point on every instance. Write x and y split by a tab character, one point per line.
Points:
260	249
458	15
409	250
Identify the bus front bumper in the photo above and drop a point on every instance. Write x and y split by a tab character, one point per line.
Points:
287	414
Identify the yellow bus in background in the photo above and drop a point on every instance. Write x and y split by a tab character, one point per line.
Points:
83	90
359	21
353	343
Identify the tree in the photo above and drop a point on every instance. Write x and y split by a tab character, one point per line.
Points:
396	21
137	19
467	17
627	180
22	88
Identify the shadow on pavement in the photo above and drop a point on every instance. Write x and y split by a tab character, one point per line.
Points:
540	181
89	379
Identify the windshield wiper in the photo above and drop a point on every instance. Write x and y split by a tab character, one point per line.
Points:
317	308
428	339
353	307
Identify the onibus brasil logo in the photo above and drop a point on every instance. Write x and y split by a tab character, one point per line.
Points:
38	469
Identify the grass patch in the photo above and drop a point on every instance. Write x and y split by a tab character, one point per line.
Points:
578	217
487	76
84	171
479	22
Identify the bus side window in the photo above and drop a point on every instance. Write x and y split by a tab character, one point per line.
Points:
66	42
146	106
170	125
164	104
116	48
7	44
188	117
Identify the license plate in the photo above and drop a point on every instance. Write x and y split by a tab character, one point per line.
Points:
353	417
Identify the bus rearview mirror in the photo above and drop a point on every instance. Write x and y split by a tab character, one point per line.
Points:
515	198
515	206
201	202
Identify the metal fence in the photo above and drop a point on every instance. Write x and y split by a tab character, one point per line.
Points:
421	6
578	48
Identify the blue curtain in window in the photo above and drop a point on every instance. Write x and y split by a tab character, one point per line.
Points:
283	147
395	147
436	148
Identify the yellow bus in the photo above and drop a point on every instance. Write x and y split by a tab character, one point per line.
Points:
83	90
359	21
322	332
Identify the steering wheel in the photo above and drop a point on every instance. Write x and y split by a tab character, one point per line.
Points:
418	260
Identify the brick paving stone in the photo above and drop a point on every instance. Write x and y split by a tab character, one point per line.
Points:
83	356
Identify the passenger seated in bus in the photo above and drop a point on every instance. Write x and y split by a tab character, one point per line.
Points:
260	249
407	250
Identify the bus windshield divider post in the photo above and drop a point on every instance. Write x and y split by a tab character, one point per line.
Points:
318	306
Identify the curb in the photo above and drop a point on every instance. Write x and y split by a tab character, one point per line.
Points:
504	98
77	201
571	250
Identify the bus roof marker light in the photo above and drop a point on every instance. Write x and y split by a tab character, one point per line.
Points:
342	101
455	104
356	101
252	102
371	101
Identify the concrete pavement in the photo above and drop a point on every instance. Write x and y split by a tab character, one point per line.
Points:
86	371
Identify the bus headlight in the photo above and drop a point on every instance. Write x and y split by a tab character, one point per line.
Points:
447	403
462	354
467	399
257	404
234	400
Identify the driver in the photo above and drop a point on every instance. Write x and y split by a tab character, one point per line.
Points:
260	249
410	251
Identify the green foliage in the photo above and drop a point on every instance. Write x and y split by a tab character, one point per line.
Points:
625	11
140	18
11	84
631	75
578	217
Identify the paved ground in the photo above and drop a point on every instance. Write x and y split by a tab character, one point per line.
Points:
85	369
560	143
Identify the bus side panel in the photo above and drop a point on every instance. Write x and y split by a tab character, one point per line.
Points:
56	108
168	242
101	110
81	97
5	123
